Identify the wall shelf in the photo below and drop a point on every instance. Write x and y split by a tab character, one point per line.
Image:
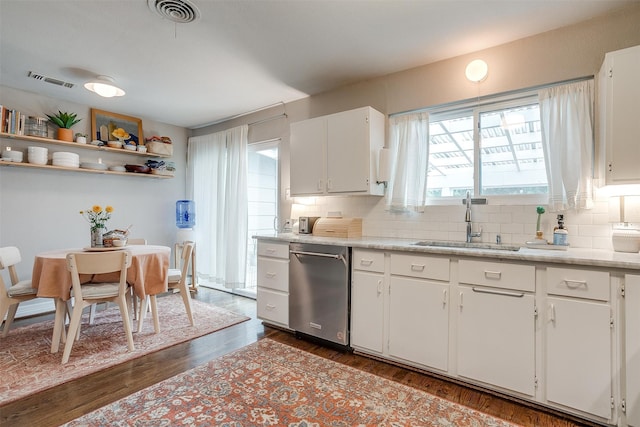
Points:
61	168
86	146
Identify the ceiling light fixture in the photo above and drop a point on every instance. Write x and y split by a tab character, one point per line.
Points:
104	86
477	70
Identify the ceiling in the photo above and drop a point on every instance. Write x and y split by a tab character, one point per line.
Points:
244	55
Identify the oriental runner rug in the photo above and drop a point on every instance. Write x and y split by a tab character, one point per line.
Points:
272	384
28	366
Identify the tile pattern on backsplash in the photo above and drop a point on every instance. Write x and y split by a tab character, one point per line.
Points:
516	224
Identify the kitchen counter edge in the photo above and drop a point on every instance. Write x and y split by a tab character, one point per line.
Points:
572	256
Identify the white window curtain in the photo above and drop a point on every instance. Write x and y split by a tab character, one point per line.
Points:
217	183
566	120
409	152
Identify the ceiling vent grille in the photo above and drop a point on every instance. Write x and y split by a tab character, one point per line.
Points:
180	11
51	80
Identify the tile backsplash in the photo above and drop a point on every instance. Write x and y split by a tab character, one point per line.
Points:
515	224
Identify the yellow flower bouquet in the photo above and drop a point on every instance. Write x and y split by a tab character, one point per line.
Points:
121	134
97	217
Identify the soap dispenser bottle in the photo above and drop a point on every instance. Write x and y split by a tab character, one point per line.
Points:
560	234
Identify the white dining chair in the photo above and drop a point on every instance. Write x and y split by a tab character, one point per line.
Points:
177	281
19	291
91	293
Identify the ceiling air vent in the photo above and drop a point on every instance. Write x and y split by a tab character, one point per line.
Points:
180	11
51	80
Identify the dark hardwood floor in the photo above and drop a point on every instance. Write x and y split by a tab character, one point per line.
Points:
68	401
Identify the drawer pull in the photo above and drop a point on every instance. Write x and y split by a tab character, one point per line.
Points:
271	250
270	275
417	267
270	307
575	284
366	262
501	293
492	274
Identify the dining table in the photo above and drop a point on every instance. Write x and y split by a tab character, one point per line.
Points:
147	275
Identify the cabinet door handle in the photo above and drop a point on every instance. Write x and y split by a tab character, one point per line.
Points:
379	287
444	297
320	185
461	296
270	275
575	284
501	293
552	313
492	274
329	186
366	262
417	267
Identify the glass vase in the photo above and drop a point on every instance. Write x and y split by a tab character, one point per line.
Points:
96	237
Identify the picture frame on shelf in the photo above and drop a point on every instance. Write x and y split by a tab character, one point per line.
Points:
108	121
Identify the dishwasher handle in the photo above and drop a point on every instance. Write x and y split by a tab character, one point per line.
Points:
320	254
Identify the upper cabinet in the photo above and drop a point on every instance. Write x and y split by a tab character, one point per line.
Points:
337	154
619	100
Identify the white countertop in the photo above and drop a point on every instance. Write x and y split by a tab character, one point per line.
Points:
574	256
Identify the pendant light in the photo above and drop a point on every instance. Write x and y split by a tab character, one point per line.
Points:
477	70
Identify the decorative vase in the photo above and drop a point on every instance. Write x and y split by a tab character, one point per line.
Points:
65	134
96	237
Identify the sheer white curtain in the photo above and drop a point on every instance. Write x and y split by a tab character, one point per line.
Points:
566	120
409	152
217	183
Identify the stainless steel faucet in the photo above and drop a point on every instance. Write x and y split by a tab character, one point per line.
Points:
467	219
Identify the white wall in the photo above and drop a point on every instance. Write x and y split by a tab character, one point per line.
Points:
39	209
566	53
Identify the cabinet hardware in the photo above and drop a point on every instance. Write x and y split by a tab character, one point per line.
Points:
461	296
610	72
271	250
270	306
379	286
611	322
574	284
552	313
501	293
270	275
444	297
366	262
622	290
623	406
492	274
417	267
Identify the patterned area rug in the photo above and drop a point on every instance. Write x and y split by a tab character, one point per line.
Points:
28	366
272	384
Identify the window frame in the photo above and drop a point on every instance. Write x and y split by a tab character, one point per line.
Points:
477	107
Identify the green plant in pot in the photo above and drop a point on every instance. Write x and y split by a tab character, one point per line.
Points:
64	121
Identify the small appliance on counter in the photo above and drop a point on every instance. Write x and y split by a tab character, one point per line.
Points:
306	223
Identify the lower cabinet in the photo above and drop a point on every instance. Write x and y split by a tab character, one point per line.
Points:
632	349
578	358
272	299
579	333
419	321
367	311
496	338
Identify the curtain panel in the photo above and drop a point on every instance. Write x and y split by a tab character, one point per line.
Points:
566	121
409	152
217	183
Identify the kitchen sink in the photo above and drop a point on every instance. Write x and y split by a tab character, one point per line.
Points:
472	245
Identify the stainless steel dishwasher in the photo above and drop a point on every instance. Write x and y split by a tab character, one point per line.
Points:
319	291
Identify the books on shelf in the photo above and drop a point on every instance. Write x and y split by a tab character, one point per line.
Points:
12	121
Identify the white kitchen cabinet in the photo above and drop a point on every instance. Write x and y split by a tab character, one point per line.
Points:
367	311
579	340
419	309
273	283
337	154
632	349
419	321
619	100
496	324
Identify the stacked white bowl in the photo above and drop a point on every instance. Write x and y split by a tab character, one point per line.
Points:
68	160
37	155
12	156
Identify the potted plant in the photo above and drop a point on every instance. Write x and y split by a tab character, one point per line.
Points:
64	121
81	138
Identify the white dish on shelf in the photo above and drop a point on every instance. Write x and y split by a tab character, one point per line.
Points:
65	163
117	169
93	166
130	147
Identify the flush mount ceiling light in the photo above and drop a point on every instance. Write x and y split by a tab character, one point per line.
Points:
104	86
477	70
